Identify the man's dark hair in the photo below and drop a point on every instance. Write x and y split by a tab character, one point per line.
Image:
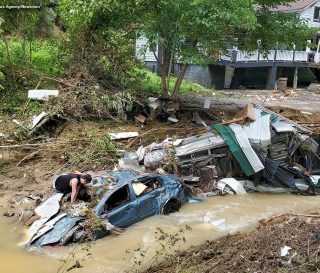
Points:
87	177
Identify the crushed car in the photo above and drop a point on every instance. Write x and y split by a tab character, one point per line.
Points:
131	200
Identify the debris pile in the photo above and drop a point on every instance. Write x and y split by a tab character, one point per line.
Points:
271	153
258	151
286	243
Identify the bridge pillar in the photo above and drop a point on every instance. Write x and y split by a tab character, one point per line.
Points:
295	78
272	78
228	75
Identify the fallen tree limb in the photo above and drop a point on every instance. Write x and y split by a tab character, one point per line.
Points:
27	157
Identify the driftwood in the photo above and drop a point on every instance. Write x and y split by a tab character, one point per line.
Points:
28	157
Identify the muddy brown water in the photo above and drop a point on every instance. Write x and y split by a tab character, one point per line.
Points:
110	254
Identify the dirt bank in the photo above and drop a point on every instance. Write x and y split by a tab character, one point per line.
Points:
258	251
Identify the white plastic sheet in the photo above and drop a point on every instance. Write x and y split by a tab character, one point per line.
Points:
235	185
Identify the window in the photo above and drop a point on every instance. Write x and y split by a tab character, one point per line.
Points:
316	15
119	198
141	187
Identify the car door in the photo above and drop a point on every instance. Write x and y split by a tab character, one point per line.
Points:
121	212
148	204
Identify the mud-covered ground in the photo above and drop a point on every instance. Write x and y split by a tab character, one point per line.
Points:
26	171
258	251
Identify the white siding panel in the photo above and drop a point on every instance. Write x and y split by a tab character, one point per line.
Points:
308	14
148	56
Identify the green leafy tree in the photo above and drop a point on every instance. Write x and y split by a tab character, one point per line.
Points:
101	41
36	19
197	31
190	31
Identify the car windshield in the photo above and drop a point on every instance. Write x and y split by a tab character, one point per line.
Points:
117	199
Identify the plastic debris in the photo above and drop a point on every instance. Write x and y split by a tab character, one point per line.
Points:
174	120
284	251
37	119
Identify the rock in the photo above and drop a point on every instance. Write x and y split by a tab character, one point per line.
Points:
314	87
29	221
9	213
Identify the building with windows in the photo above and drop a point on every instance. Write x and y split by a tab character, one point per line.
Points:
252	69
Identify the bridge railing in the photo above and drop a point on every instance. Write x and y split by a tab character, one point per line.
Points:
271	56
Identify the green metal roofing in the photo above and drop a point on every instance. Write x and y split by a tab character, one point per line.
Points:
230	138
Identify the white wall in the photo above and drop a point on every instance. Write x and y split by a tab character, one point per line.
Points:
148	56
308	14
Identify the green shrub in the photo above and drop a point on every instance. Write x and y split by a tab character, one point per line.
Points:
151	84
46	56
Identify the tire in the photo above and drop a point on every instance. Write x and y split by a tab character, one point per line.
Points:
170	207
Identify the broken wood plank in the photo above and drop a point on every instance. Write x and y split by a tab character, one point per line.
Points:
123	135
42	94
235	120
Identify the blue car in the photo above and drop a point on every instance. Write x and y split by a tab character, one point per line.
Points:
133	199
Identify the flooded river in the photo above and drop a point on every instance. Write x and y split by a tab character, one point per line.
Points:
111	253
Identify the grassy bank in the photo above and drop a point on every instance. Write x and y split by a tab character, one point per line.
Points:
151	84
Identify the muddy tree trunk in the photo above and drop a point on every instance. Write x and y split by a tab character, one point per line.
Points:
196	103
179	81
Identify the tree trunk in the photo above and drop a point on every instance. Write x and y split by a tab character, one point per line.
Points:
217	105
24	53
170	70
164	73
30	52
179	81
9	56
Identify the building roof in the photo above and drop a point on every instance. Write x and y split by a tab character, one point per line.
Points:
295	6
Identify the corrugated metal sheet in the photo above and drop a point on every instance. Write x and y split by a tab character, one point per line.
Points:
245	145
281	127
258	131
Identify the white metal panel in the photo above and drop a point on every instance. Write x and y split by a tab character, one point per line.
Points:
245	146
301	56
258	131
284	55
243	56
269	57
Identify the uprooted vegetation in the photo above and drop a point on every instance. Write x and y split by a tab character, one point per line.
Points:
258	251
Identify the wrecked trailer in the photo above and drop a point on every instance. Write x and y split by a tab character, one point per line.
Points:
285	149
130	201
